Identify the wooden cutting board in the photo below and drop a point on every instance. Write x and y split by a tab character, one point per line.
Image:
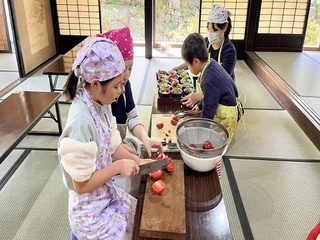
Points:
167	133
163	216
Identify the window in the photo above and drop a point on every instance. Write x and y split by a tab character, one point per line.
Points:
78	17
238	9
313	34
282	17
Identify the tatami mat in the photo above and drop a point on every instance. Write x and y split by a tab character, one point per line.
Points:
314	103
9	161
280	198
273	134
257	96
35	194
297	69
230	203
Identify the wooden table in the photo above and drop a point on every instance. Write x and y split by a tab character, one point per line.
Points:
206	216
61	67
20	112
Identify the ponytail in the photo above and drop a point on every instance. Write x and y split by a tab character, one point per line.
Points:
70	88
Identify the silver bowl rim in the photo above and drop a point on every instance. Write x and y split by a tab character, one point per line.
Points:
217	149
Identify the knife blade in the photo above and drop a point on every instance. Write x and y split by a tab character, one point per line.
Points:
152	166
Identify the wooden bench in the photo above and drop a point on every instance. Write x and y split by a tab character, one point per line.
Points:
20	112
61	67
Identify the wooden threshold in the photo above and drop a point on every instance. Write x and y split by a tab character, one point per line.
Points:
305	117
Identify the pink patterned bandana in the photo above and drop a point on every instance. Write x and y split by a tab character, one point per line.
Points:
123	39
98	59
218	14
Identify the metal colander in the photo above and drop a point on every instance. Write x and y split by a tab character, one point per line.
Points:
197	131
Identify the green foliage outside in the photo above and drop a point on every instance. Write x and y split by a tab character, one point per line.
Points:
313	28
311	37
174	19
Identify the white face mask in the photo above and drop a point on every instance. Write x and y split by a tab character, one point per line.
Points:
213	37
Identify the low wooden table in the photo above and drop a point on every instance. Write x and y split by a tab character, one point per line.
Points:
20	112
205	212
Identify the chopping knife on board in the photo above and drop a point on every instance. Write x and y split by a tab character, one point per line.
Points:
145	168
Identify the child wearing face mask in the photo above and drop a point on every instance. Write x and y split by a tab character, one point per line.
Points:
218	44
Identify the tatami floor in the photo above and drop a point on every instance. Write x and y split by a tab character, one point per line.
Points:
271	176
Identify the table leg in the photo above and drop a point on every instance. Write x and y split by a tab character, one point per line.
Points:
51	83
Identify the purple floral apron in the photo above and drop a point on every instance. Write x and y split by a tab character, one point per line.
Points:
107	212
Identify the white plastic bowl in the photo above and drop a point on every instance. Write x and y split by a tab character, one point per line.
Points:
196	131
200	164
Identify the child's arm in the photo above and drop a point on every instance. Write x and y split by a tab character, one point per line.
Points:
125	167
79	161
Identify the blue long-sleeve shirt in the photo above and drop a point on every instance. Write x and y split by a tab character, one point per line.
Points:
125	110
217	87
228	56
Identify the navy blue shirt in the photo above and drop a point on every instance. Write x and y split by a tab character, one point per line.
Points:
124	105
228	56
217	87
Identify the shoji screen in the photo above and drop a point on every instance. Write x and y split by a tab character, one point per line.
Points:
238	8
282	17
78	17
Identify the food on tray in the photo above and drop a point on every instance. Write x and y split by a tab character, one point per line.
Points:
188	90
174	79
176	91
175	83
164	85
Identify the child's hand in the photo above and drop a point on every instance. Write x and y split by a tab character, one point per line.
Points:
151	143
191	99
128	167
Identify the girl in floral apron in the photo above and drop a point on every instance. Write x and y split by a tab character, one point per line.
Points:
125	111
218	90
90	150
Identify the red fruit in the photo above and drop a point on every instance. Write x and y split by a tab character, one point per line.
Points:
174	122
159	157
170	166
158	187
207	145
156	175
192	145
175	118
159	125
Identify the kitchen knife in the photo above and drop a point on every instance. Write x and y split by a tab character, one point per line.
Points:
152	166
